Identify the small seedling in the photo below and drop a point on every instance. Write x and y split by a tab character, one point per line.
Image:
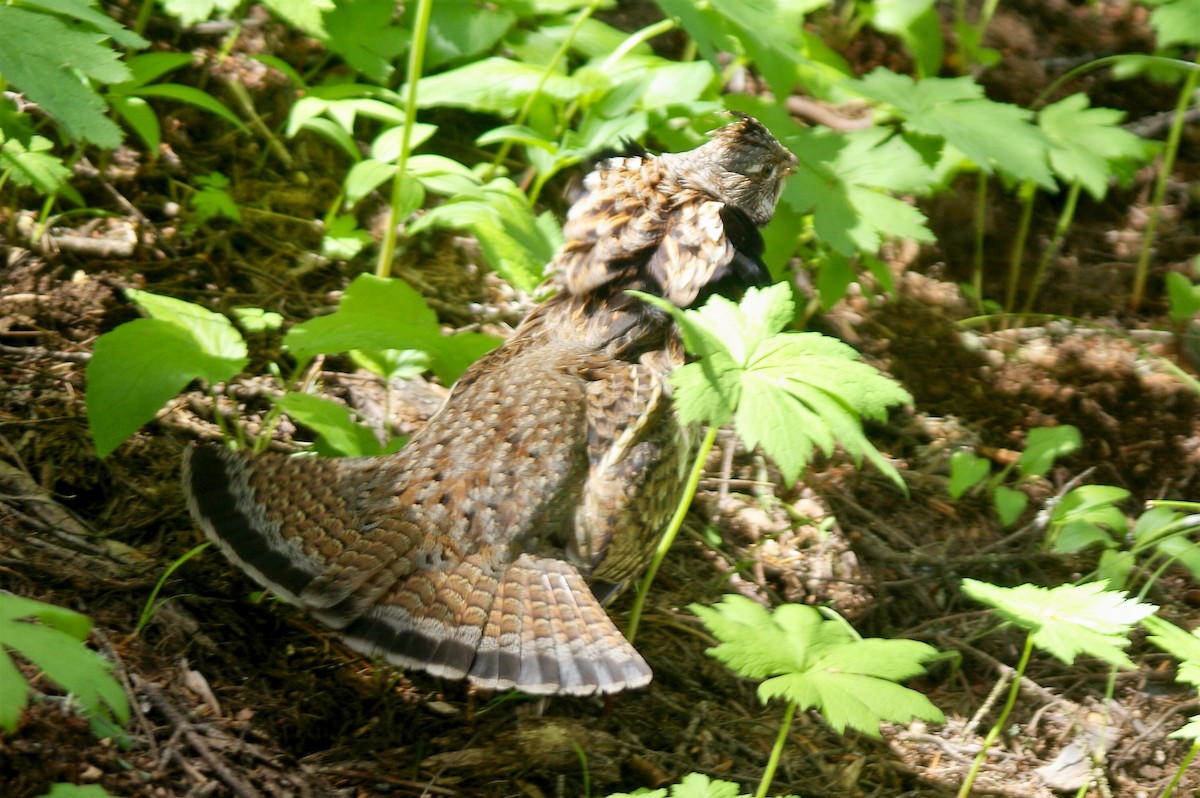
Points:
1064	621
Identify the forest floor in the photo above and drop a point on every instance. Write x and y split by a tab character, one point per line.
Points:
233	696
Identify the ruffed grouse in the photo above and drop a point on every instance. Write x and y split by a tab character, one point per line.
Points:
481	548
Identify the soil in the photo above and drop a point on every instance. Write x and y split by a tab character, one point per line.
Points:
237	694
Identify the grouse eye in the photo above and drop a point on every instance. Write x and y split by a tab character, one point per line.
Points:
767	170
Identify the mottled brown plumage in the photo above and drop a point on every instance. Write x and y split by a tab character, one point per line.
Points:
479	549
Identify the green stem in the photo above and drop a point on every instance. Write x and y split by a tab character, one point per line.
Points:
416	58
776	751
1027	193
145	11
1160	188
1013	691
981	192
685	501
634	39
1187	760
1051	252
582	17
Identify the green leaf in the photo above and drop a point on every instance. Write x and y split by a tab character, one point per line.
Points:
39	54
513	241
339	434
1085	143
1184	297
842	179
212	201
462	28
387	314
77	791
1068	620
362	32
1009	504
1183	645
86	12
343	239
967	470
138	114
495	85
191	96
257	320
994	136
793	392
306	15
1085	516
820	664
1044	445
138	367
917	24
698	785
1176	22
192	12
37	166
1189	731
55	645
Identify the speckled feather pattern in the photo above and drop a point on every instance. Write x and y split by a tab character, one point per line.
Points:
548	474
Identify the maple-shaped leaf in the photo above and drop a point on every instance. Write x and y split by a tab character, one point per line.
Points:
1068	620
996	137
1085	143
820	664
1182	645
793	392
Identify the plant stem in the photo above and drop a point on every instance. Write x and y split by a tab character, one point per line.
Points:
685	501
981	192
645	34
1187	760
1027	193
1160	188
416	59
1013	691
776	750
582	17
1051	252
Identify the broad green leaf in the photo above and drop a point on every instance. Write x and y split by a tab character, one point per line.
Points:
1086	142
386	146
462	28
917	24
212	201
1184	297
495	85
1009	503
141	118
514	242
141	365
55	645
340	435
387	314
1044	445
698	785
39	54
392	364
1176	22
994	136
442	175
967	470
819	663
1068	620
363	33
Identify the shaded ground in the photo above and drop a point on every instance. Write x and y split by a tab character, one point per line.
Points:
234	695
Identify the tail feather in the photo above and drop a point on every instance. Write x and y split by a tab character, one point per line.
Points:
293	525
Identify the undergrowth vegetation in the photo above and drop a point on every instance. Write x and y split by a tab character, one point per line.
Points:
546	85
